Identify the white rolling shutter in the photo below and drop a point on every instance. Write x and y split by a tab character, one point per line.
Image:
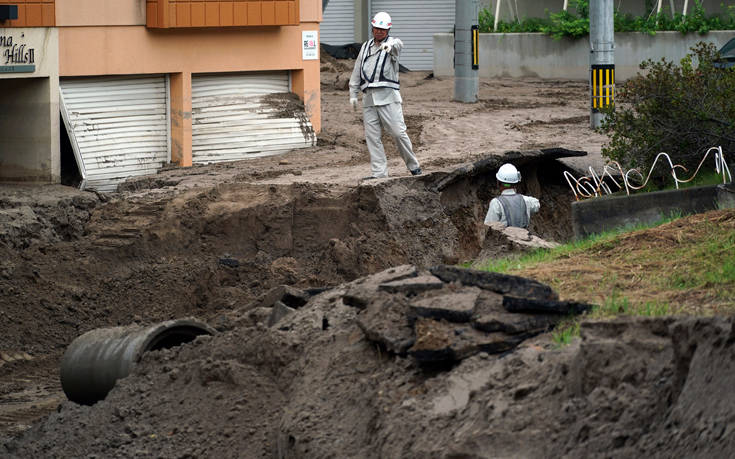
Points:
415	22
118	127
240	116
338	23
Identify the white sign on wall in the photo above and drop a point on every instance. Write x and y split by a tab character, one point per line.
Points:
16	55
310	43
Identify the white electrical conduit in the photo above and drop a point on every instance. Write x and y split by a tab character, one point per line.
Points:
593	185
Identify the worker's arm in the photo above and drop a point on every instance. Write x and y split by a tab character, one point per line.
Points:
494	212
396	45
355	77
532	204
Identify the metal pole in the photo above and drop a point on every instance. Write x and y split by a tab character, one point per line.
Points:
466	51
602	59
497	15
684	10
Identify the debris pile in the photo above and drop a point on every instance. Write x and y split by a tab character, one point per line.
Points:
444	314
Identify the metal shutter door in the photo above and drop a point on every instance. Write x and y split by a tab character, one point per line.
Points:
240	116
338	24
415	22
118	127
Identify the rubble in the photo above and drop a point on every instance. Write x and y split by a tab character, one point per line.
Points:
454	313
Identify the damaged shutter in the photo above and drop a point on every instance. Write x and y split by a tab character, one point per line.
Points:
240	116
118	127
338	25
415	22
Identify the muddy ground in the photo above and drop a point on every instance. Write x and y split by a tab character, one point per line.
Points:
208	241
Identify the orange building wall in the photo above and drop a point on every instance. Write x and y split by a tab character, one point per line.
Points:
32	13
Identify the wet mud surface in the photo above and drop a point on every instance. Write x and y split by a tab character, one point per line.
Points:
210	241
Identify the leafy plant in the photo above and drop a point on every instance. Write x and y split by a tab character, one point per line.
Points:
574	22
682	110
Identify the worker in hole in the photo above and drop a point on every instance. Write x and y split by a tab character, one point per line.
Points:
511	208
376	75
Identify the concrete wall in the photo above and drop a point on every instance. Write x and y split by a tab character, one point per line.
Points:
596	215
538	55
29	108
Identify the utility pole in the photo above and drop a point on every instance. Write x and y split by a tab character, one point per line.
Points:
466	51
602	59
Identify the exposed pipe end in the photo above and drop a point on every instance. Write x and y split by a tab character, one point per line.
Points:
94	361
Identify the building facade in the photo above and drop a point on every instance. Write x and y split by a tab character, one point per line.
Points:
110	89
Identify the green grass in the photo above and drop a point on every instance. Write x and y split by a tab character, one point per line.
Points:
565	332
596	241
615	305
713	261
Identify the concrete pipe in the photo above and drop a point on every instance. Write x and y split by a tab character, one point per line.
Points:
95	360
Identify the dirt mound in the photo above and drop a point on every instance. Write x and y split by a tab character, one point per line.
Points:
207	240
315	385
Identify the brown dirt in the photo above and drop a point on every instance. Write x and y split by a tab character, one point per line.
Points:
73	261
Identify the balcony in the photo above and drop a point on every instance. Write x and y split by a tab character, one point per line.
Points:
31	13
176	14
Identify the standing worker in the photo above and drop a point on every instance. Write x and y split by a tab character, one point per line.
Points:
376	74
511	208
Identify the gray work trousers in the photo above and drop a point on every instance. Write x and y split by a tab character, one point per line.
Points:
390	116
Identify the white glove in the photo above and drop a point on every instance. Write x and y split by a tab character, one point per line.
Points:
387	45
353	102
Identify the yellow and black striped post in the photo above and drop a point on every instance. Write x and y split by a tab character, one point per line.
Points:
475	47
602	84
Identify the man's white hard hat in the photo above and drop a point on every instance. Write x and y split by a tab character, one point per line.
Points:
381	21
508	174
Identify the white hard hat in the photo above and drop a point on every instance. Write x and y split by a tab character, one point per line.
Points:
381	21
508	174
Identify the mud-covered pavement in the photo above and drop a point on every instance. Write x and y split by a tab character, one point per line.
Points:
208	241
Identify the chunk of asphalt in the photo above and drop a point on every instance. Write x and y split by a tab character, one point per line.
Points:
278	312
413	285
288	295
531	305
440	341
389	275
490	316
385	321
361	291
504	284
514	324
453	307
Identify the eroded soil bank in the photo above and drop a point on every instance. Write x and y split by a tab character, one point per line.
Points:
315	385
74	261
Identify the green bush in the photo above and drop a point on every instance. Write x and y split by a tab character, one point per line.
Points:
682	110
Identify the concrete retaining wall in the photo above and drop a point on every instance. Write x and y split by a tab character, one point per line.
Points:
596	215
538	55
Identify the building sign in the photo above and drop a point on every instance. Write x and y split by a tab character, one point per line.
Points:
310	45
16	56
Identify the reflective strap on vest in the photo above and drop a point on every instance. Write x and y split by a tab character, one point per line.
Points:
375	77
514	207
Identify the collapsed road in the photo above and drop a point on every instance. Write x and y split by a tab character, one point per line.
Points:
75	261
